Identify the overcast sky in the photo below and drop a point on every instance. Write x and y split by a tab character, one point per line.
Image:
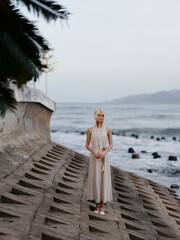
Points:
112	49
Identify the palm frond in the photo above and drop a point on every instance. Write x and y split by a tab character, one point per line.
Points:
47	8
12	68
7	99
21	37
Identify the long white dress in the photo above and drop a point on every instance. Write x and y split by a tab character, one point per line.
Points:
99	182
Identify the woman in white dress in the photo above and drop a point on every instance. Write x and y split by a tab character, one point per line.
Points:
99	175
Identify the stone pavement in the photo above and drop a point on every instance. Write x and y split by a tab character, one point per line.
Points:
45	199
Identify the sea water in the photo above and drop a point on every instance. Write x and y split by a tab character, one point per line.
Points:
70	122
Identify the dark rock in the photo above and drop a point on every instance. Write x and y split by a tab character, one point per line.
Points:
158	139
134	135
174	138
154	153
172	158
152	137
135	156
174	186
176	172
131	150
163	138
157	156
53	131
143	151
149	170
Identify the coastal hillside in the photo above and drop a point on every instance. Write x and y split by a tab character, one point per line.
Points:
162	97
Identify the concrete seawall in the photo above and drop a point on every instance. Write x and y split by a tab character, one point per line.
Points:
25	131
43	189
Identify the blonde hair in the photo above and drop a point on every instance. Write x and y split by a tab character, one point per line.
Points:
96	113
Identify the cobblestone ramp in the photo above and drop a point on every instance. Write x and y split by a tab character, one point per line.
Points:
45	199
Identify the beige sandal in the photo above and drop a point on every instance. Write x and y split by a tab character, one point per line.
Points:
102	211
96	210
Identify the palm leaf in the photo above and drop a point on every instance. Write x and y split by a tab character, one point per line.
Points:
48	9
7	99
20	36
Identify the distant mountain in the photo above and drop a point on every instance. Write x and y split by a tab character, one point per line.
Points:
163	97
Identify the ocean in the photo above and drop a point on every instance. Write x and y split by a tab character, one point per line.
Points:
133	126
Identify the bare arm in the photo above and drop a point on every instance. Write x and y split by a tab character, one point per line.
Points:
89	131
109	132
88	138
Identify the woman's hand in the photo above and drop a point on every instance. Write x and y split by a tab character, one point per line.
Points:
102	154
96	154
99	155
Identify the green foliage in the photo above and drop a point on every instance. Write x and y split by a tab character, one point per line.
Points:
7	98
21	45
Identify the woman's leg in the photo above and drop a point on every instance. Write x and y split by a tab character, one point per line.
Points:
102	208
97	205
102	204
97	208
